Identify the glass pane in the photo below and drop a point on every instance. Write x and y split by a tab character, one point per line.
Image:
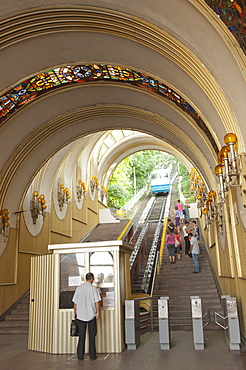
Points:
109	141
103	274
72	274
107	295
101	258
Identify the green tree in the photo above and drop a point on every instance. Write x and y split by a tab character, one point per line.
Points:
140	165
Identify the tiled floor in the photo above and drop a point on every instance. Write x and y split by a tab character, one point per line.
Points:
182	356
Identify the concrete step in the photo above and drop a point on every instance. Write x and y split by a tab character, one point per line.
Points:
14	323
17	322
17	317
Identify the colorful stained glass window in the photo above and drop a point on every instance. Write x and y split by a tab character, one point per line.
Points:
36	86
233	14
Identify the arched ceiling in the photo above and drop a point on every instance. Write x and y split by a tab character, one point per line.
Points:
178	43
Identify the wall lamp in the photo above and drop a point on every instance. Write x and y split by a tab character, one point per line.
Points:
38	206
81	190
4	223
94	184
206	201
63	196
197	186
212	206
104	193
231	168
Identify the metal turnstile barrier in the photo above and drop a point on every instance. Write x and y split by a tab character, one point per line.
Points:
197	322
163	314
132	324
231	321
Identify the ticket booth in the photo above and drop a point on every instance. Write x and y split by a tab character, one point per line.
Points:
54	278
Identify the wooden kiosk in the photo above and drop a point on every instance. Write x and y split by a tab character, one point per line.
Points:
54	278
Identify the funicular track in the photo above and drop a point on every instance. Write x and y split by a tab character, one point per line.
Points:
143	257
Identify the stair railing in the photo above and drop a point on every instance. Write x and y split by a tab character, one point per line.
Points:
153	250
141	236
150	298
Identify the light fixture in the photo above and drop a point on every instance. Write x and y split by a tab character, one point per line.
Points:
38	206
104	193
4	223
231	169
219	172
81	190
212	206
63	196
197	186
205	213
94	184
231	140
224	161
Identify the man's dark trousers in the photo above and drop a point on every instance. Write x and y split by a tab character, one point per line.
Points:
92	328
187	244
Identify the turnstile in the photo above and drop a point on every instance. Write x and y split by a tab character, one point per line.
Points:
231	321
163	313
197	322
132	324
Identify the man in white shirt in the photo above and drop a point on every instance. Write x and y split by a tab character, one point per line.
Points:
86	309
194	250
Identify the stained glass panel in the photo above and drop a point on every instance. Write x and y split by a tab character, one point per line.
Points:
233	14
26	91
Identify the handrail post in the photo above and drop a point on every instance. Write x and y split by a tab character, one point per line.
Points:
151	315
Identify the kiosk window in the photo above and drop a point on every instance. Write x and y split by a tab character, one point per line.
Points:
101	265
72	274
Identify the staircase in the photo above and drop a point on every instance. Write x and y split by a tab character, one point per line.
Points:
177	282
17	322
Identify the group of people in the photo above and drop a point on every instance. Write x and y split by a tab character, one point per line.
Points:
191	236
87	298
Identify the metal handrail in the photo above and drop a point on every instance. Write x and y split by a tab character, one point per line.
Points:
141	236
151	295
152	253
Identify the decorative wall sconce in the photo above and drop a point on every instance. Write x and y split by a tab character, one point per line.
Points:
81	190
212	206
231	168
63	196
206	201
94	183
104	193
4	223
38	206
205	213
198	187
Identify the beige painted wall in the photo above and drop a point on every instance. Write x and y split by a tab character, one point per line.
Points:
15	261
229	262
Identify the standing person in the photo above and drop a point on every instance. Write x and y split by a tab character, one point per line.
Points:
86	309
178	245
170	226
186	239
180	209
194	250
170	240
196	230
177	218
186	210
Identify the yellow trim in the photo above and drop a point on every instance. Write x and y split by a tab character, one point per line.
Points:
162	243
123	232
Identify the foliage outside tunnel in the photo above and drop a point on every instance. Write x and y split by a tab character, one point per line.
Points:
132	174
